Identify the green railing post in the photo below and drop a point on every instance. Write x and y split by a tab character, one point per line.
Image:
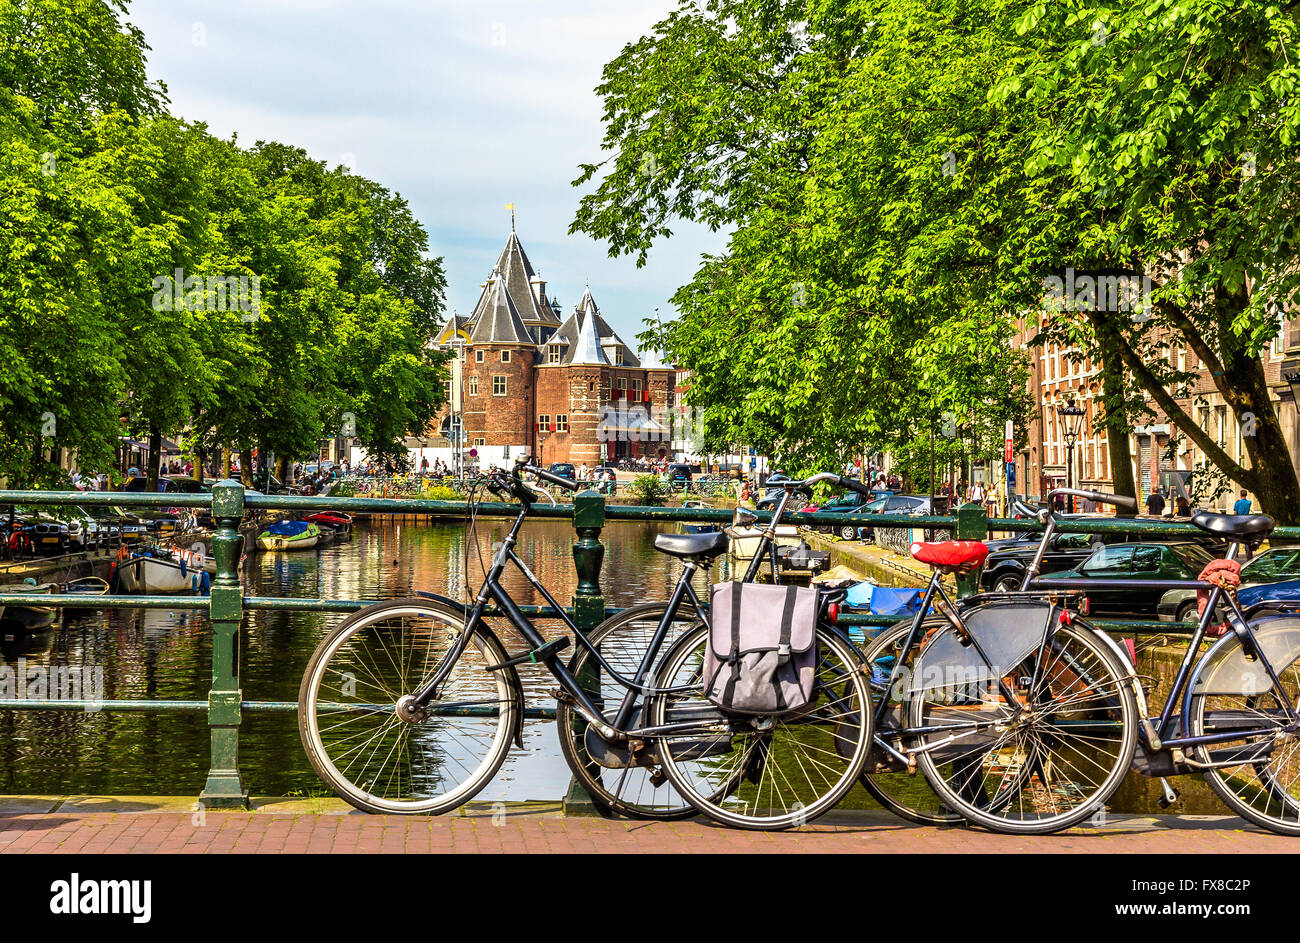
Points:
225	787
972	524
588	611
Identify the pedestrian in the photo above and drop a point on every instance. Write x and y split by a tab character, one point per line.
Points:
1183	506
1243	504
1156	504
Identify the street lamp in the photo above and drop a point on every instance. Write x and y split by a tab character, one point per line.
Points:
1071	423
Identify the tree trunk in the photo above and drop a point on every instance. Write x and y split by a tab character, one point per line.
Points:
225	461
155	459
200	463
246	467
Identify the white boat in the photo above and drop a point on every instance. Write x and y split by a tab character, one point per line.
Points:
178	572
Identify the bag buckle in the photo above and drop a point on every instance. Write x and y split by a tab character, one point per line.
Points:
783	653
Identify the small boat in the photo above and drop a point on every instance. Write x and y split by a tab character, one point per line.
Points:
684	527
161	571
745	537
86	586
19	618
289	535
337	521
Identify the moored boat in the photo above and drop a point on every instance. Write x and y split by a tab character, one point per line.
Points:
22	618
289	535
339	522
161	571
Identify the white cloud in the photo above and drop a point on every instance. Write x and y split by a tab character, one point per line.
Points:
460	106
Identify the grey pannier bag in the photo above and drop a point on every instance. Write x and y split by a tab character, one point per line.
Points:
762	648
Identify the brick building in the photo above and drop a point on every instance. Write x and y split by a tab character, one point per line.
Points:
1162	455
525	381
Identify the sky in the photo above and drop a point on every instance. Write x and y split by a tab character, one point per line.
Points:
462	106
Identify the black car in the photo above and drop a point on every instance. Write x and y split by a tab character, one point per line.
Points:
564	470
850	503
679	475
1008	558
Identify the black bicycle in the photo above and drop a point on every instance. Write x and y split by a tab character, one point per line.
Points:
410	706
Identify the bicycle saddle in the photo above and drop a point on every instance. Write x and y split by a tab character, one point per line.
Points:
1233	525
952	555
687	546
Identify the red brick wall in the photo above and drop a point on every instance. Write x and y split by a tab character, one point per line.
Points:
500	420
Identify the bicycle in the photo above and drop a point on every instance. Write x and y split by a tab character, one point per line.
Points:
1238	722
410	706
1018	713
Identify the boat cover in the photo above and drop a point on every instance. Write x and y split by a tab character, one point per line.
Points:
884	600
287	528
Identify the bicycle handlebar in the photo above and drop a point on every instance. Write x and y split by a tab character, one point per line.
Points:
1119	500
553	479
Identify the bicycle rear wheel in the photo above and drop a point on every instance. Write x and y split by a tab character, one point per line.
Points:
766	773
384	759
618	782
1261	777
1046	761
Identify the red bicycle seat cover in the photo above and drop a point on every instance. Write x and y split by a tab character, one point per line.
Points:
959	554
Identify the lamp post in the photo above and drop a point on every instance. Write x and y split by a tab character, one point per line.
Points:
1071	423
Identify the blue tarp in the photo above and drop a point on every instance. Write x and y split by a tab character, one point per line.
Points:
884	600
287	528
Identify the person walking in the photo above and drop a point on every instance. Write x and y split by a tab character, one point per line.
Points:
1156	504
1243	504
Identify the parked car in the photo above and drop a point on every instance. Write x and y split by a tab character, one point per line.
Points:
564	470
1272	566
679	476
1136	561
848	503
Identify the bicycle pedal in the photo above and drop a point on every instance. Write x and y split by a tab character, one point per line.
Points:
1170	796
546	652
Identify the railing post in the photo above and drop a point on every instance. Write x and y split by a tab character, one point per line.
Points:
225	787
588	611
972	524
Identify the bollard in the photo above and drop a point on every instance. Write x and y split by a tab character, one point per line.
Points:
588	612
225	787
972	524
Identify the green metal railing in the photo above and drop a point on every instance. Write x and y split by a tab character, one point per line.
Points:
589	512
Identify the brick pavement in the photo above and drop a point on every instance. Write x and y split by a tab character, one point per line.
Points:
87	825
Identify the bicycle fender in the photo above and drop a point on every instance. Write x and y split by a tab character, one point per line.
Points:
1226	669
512	676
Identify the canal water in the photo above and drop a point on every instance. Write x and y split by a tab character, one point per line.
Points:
165	655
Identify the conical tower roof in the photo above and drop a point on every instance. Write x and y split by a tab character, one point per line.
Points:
495	319
518	273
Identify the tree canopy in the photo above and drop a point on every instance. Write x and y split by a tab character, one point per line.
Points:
900	178
155	279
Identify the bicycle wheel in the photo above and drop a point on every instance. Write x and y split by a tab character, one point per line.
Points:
1261	781
885	777
762	772
631	785
1046	761
382	759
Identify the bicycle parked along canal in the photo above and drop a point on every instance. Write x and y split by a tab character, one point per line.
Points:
1026	719
410	706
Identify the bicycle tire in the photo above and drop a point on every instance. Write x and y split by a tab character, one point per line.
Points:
727	796
488	707
1040	791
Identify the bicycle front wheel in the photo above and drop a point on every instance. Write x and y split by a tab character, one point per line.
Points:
382	757
762	772
621	781
1258	775
1047	760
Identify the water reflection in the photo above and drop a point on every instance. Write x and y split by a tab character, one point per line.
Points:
159	654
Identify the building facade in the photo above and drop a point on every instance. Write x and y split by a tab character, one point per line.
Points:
1162	456
526	381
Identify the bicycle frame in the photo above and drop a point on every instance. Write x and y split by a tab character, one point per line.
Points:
492	591
1153	729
